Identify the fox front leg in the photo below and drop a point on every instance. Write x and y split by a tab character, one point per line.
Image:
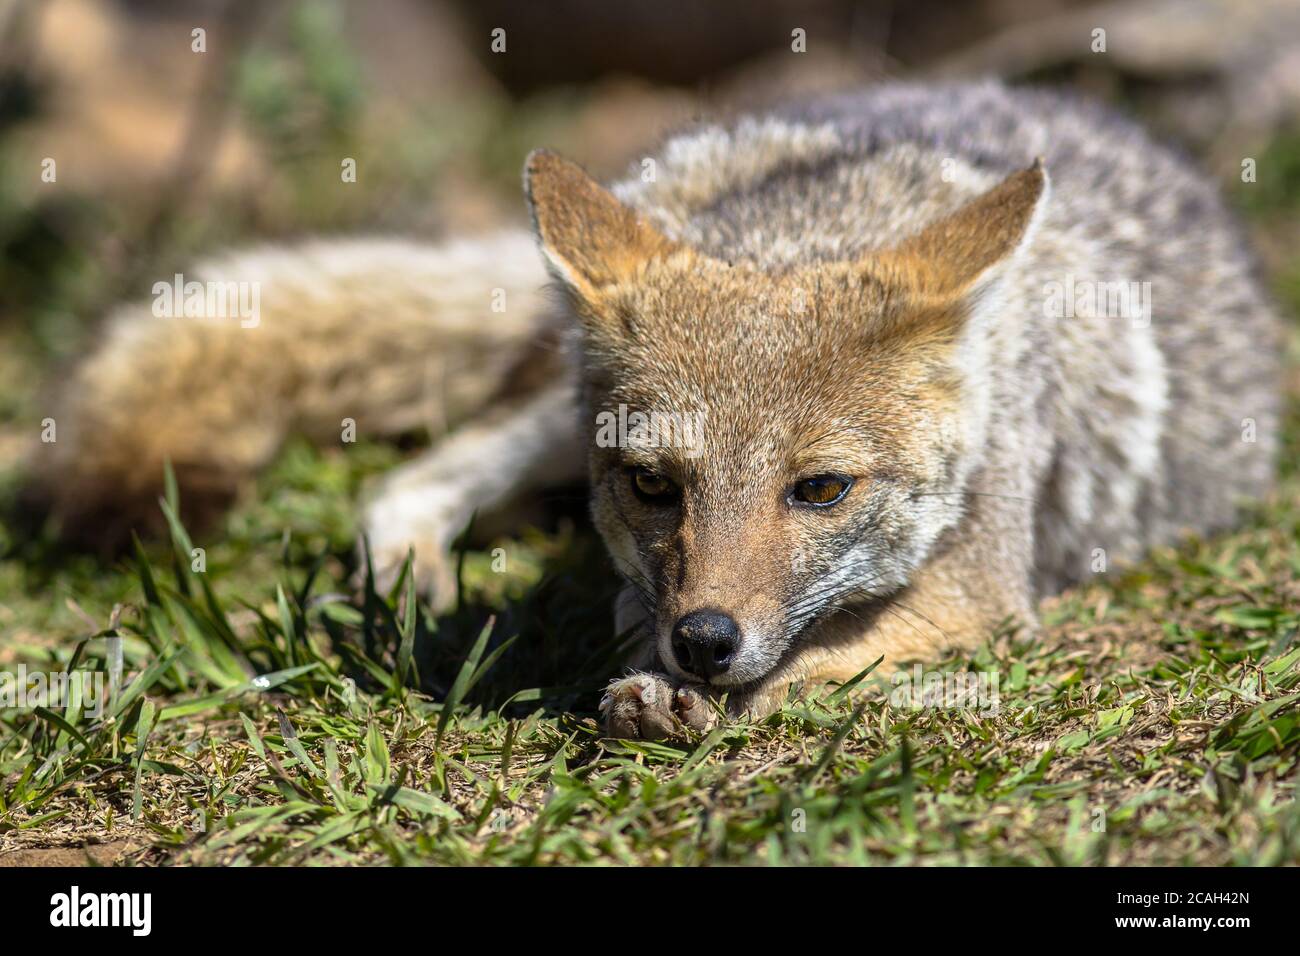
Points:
646	704
842	648
955	601
654	707
980	579
426	503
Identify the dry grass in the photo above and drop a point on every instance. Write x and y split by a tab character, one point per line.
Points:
1155	721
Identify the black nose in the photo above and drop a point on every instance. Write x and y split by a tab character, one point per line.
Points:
705	642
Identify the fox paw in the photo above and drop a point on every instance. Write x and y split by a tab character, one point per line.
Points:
652	707
435	580
393	530
433	569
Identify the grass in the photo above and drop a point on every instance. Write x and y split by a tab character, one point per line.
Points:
268	716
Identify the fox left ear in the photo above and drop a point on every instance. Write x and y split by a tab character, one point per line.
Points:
952	256
590	239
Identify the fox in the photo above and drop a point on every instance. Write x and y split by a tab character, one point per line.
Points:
945	350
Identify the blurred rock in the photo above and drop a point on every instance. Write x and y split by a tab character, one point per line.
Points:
118	92
1220	74
692	43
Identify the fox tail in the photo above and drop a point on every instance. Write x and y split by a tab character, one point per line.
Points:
329	339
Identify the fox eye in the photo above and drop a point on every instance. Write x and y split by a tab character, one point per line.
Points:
821	491
651	487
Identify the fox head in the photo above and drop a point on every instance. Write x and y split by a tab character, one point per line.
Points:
768	448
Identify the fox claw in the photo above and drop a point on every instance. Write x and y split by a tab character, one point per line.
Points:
652	707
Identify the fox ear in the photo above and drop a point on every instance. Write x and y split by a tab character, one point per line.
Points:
951	257
590	239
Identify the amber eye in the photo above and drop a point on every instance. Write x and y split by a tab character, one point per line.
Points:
652	487
821	491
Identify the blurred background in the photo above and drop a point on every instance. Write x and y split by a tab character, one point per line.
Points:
164	151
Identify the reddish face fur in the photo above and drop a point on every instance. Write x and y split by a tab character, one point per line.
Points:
836	369
782	396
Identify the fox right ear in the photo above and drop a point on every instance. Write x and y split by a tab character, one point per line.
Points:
590	239
953	255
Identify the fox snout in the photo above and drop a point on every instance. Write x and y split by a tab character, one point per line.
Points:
719	620
705	642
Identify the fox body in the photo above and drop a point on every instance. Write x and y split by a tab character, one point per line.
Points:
947	350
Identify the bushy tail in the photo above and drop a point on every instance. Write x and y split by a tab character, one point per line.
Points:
390	335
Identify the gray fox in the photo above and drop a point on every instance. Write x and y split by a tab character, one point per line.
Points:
865	376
